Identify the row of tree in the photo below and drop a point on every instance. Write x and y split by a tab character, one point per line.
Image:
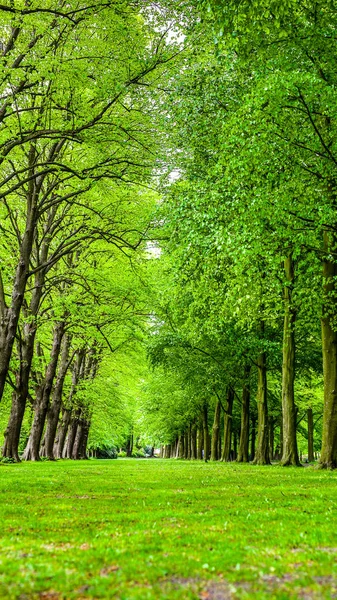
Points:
248	232
77	144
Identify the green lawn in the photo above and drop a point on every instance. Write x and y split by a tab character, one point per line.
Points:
151	529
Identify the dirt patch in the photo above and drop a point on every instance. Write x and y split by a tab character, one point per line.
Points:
225	590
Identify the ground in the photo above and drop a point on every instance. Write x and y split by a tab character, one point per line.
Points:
151	529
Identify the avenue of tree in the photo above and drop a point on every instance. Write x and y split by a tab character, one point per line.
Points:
168	229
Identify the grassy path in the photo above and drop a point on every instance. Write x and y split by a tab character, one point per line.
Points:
152	529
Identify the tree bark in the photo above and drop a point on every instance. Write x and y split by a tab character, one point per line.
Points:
72	433
43	397
253	440
262	450
200	441
206	433
26	353
290	452
181	446
328	458
311	457
271	438
219	441
216	432
55	408
243	454
78	442
193	441
185	445
62	433
189	442
83	449
9	317
12	433
235	444
227	439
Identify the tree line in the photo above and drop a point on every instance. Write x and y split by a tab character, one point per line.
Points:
245	338
76	158
229	273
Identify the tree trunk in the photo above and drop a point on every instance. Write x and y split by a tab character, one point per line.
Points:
228	426
9	316
262	450
189	442
216	432
62	433
43	397
235	444
12	433
200	441
77	447
54	410
243	455
328	457
193	441
72	433
185	445
253	440
310	436
26	353
290	452
271	438
206	433
83	449
181	446
19	396
219	441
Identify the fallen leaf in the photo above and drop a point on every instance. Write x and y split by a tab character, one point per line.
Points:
107	570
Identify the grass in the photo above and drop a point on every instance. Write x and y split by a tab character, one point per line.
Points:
152	529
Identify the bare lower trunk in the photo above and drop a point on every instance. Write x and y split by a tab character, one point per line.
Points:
262	450
311	457
72	434
328	457
9	316
181	446
226	451
290	452
189	442
216	432
83	449
185	445
235	444
77	447
253	440
200	441
12	433
43	397
62	434
206	433
55	407
19	396
243	454
193	441
271	438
